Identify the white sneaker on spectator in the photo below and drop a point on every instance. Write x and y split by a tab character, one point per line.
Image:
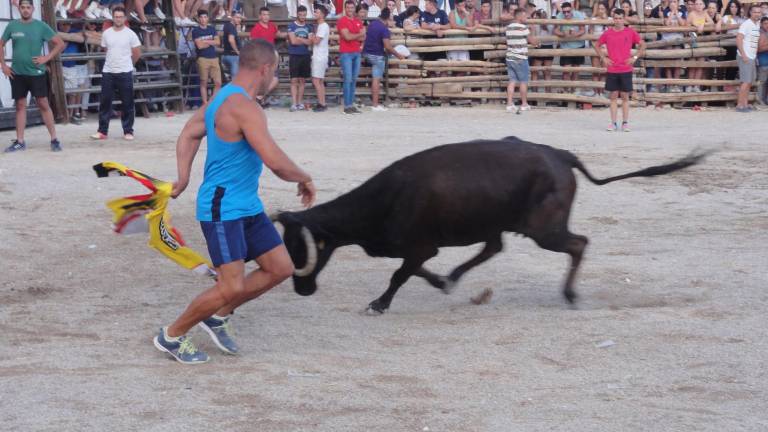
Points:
293	108
177	20
379	108
188	22
134	15
63	12
525	107
106	14
92	11
159	13
511	108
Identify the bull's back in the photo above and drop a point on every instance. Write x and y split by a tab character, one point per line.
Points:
458	194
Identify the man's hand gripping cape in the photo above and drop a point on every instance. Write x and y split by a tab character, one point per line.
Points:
142	213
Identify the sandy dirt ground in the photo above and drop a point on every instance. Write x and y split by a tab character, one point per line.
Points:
670	332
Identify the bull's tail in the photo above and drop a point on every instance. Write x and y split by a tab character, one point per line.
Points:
693	158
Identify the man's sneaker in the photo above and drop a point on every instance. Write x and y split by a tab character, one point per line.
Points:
129	137
356	110
55	145
293	108
135	16
188	22
525	107
349	110
159	13
740	109
92	11
379	108
15	146
177	20
182	349
319	108
221	332
511	108
613	127
99	136
625	127
77	119
106	14
301	107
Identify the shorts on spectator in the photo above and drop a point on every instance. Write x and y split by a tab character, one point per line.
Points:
209	68
571	61
319	67
75	76
747	70
21	85
621	82
518	70
300	66
377	65
458	55
244	239
543	59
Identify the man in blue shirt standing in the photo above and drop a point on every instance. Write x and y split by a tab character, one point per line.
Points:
229	209
206	40
299	57
375	49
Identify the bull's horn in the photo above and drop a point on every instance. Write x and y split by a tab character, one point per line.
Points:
309	242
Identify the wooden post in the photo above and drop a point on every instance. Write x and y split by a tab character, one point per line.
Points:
58	98
496	10
172	44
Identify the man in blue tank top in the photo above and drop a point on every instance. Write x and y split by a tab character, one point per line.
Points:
230	212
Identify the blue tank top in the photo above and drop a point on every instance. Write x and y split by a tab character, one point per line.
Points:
230	188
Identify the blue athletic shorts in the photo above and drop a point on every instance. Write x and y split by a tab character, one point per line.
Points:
245	239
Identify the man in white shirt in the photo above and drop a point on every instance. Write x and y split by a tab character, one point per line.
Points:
320	56
123	51
746	41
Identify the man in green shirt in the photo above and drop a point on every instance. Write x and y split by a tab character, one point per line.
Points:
27	71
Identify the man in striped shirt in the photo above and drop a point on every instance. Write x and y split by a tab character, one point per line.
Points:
518	37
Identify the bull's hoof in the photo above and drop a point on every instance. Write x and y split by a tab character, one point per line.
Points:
570	297
449	285
376	308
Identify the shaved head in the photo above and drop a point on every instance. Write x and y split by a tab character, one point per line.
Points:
257	53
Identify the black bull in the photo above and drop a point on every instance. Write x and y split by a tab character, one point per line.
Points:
451	195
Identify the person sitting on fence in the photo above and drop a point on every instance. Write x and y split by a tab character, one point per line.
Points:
375	49
596	30
460	19
75	74
401	17
206	40
630	16
320	54
762	60
66	8
484	13
27	72
181	12
518	37
413	18
101	9
619	41
434	19
123	51
747	42
300	59
232	43
673	17
572	34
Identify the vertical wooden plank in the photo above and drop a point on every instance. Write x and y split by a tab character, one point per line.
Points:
172	44
58	99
